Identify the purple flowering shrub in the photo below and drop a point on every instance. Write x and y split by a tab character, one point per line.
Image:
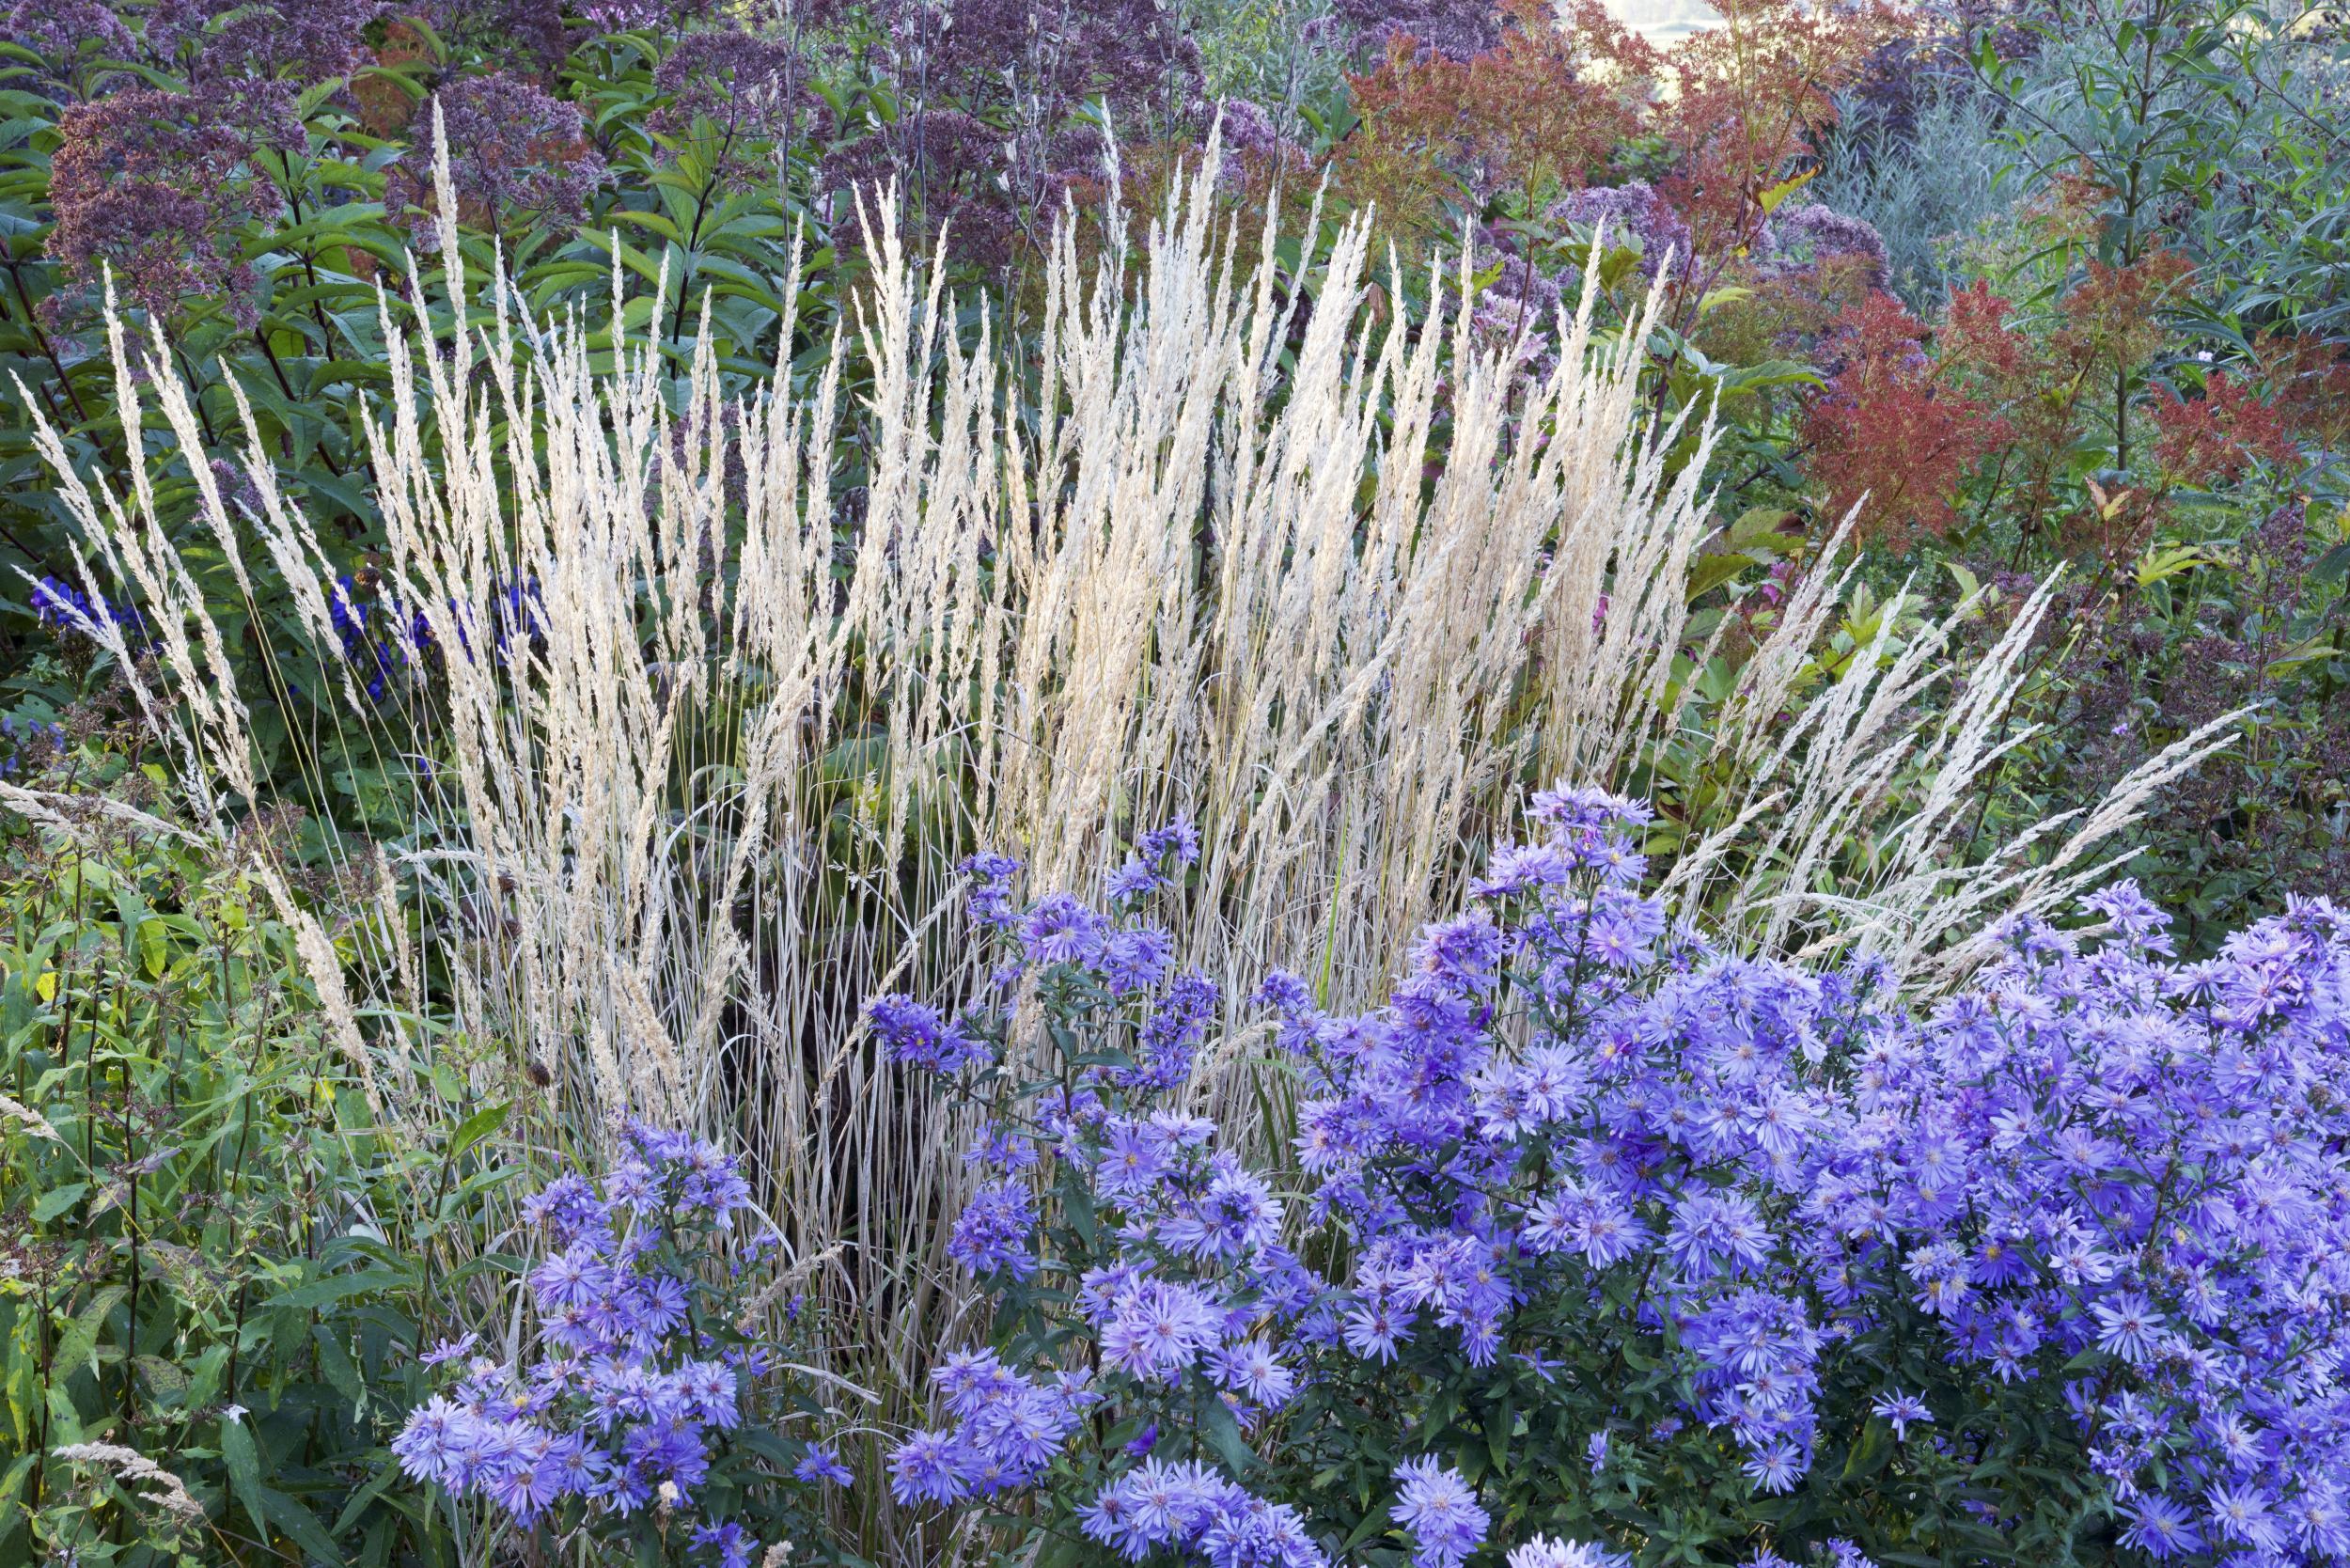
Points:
1603	1239
643	1414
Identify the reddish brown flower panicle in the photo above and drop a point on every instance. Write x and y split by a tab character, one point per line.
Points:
1887	435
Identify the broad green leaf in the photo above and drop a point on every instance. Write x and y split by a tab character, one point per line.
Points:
1223	1435
57	1201
320	1292
79	1344
478	1126
1774	197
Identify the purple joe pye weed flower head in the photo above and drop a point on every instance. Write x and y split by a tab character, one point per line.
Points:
621	16
2094	1188
516	151
748	90
1809	233
1632	213
64	30
1454	29
156	187
305	40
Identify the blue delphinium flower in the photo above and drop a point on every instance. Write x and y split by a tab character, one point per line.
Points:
63	608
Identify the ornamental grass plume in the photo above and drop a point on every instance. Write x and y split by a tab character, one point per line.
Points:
690	737
168	1494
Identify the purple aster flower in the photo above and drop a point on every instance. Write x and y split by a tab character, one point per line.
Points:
1775	1467
1901	1409
1440	1512
1060	930
931	1467
1178	841
2160	1528
1137	959
1251	1370
996	1230
919	1035
1134	880
732	1543
429	1440
2241	1513
1543	1552
820	1466
2127	1326
1159	1330
575	1276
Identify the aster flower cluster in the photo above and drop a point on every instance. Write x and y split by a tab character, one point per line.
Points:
1199	1312
1614	1204
640	1401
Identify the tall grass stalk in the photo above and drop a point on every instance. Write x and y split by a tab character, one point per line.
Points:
1199	554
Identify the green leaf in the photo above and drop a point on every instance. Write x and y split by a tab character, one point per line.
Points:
341	1371
1373	1522
1223	1435
244	1467
385	1475
1776	197
480	1125
320	1292
303	1524
57	1201
1872	1453
13	1482
80	1343
1709	572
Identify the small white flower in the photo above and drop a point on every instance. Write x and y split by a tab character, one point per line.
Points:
232	1414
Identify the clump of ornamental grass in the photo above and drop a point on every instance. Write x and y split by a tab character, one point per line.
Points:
1609	1232
686	717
